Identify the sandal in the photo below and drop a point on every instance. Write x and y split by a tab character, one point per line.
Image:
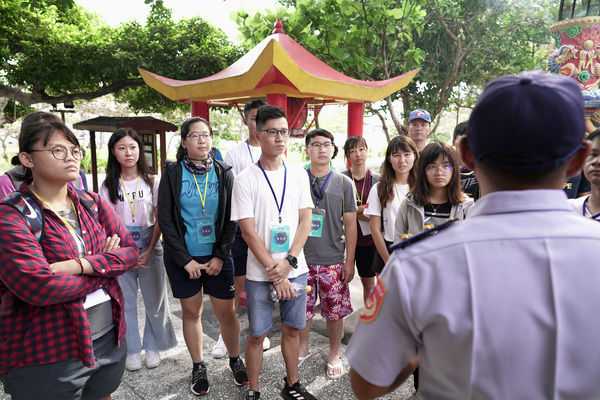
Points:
302	359
335	371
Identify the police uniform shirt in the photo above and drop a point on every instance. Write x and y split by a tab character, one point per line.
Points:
496	305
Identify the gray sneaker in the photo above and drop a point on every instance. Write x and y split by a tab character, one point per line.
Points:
252	395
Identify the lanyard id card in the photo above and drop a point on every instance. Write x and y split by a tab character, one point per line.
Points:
316	228
280	238
136	235
205	229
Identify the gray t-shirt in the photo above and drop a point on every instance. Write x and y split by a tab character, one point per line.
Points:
99	316
330	248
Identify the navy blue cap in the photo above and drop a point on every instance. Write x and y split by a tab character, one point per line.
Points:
419	114
531	122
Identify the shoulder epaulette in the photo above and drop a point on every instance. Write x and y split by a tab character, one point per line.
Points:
427	232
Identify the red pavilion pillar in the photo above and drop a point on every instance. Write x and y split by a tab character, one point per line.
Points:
355	119
279	100
200	109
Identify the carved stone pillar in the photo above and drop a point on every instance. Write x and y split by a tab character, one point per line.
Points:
576	54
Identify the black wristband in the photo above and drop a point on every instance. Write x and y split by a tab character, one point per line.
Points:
80	264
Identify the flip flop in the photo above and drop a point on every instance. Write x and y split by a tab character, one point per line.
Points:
331	374
302	359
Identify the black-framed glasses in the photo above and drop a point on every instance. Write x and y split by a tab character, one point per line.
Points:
60	152
273	132
317	145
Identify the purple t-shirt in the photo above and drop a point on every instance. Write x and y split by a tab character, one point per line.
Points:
362	194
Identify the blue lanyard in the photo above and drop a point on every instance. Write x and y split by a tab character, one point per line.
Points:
585	206
319	196
252	158
279	206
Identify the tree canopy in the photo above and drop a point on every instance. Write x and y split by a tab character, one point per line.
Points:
457	43
54	51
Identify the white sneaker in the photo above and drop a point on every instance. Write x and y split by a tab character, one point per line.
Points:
152	359
133	362
219	350
266	343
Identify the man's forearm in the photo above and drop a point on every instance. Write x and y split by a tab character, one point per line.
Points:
256	245
304	224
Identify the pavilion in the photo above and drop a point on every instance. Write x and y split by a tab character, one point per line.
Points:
288	75
147	127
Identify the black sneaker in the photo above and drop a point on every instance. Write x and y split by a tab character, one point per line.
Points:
199	380
295	392
240	376
252	395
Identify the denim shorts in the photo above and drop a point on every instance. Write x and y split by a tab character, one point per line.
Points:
260	307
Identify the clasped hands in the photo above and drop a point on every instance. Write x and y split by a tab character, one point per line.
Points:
212	267
278	275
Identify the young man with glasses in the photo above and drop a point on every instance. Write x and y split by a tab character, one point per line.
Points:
330	247
239	157
272	205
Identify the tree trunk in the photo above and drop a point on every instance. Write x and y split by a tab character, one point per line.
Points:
5	135
397	122
383	124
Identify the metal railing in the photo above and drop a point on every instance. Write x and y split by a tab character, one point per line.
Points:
575	9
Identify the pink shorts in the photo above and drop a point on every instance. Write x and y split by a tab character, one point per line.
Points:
326	280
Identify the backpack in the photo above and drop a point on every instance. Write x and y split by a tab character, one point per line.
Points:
31	211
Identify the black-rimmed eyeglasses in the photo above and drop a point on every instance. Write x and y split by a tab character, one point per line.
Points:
60	152
273	132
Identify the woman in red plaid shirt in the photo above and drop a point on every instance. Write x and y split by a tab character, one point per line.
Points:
62	331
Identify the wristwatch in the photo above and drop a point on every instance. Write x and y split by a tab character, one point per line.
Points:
293	261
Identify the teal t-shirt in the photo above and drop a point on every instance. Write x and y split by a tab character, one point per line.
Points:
191	207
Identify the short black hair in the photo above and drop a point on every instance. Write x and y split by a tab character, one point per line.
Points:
42	132
352	142
324	133
268	112
185	129
460	130
252	104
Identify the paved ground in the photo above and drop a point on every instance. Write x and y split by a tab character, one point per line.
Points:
171	380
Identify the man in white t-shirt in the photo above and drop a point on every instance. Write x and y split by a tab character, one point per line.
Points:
239	157
272	204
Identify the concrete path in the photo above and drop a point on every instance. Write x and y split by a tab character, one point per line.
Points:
171	380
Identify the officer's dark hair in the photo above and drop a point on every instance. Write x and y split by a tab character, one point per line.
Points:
352	142
253	104
385	189
324	133
185	129
266	113
429	155
460	130
31	134
593	135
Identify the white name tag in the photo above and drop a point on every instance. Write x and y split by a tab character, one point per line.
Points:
95	298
